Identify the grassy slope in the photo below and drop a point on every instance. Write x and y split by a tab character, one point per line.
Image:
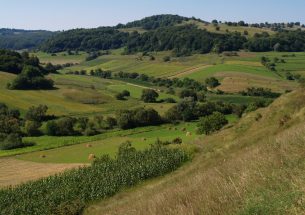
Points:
76	95
254	167
199	67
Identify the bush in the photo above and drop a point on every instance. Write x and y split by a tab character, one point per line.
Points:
262	92
32	128
31	78
211	123
169	100
122	95
166	58
11	141
37	114
188	93
212	82
149	96
61	127
127	119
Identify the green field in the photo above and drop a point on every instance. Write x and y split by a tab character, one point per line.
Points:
75	95
77	150
108	143
83	95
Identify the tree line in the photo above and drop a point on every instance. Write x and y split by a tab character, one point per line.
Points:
183	40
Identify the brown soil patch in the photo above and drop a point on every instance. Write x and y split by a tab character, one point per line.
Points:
14	172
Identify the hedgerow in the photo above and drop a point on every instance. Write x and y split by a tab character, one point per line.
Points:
69	192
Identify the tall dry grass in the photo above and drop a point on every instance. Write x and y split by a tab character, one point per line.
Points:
255	167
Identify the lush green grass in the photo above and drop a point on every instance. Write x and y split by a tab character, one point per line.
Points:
103	144
77	150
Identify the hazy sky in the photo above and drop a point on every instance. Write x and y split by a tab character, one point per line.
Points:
67	14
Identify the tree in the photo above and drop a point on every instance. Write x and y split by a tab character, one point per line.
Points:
211	123
30	78
125	119
37	114
122	95
32	128
145	117
185	93
149	96
111	122
212	82
62	127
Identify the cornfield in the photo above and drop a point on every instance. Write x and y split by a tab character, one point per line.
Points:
68	192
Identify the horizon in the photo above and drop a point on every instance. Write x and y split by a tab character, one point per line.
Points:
58	16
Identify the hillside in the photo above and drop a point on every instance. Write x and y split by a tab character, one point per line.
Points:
185	36
254	167
23	39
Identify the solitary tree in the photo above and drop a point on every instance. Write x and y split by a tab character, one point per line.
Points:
212	82
211	123
149	96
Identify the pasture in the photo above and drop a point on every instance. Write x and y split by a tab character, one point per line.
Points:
108	143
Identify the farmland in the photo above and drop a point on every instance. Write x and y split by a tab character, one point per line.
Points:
164	115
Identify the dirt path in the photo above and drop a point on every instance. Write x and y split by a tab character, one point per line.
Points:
189	71
14	172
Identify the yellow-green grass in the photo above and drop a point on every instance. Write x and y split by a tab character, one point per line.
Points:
201	75
136	90
61	58
76	95
54	99
157	68
130	30
223	28
254	167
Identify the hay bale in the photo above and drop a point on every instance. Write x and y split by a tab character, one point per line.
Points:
88	145
188	134
91	157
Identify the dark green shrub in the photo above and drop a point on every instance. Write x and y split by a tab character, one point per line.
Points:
211	123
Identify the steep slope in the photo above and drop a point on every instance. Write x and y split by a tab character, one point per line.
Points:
254	167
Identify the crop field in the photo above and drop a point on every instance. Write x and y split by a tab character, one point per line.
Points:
14	172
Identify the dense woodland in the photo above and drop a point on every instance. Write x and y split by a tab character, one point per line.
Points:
16	39
154	22
163	32
102	38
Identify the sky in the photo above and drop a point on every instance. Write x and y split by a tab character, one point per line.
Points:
68	14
